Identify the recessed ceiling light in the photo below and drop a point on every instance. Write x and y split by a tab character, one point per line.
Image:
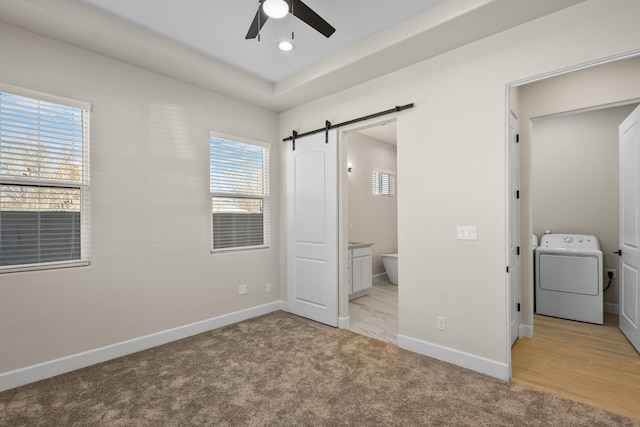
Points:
275	8
286	46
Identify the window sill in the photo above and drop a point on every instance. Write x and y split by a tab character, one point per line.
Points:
47	266
242	249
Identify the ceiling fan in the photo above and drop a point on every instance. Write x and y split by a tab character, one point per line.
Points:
295	7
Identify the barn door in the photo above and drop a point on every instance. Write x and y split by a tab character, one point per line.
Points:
312	227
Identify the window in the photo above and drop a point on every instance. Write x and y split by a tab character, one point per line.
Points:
43	181
383	183
239	185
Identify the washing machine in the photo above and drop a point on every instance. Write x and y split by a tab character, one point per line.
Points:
569	276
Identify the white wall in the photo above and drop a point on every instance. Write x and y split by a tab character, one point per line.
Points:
575	178
601	85
374	218
151	268
452	165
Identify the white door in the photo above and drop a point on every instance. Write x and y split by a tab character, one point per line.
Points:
629	146
514	240
312	227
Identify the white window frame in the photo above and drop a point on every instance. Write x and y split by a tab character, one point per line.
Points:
264	196
82	184
379	190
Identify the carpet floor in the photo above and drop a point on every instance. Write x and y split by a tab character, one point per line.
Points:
282	370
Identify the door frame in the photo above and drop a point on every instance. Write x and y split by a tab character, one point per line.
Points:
513	209
343	211
525	231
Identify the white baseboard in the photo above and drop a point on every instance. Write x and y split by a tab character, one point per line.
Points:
466	360
611	308
344	322
525	331
65	364
358	294
379	278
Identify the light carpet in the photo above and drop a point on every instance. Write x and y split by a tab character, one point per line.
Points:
282	370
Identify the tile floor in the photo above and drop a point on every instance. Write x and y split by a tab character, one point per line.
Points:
376	314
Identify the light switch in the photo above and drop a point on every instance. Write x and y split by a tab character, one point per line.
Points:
467	232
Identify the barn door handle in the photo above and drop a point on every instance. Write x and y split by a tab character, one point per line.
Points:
619	252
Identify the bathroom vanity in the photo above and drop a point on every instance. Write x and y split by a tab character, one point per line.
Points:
359	269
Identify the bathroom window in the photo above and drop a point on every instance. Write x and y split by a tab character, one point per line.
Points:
383	183
239	186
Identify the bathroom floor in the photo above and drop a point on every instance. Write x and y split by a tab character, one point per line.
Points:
376	314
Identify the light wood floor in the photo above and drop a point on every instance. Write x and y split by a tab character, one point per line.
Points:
376	314
592	364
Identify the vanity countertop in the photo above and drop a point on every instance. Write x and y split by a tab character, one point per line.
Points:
355	245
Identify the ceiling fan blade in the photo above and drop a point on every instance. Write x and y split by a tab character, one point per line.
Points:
260	18
304	13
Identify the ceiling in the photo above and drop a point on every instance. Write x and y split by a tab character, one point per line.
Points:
201	42
200	25
386	132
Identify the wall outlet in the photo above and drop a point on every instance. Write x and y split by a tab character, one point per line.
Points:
242	289
606	273
441	323
268	287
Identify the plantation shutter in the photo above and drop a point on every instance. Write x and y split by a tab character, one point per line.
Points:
239	188
43	182
382	183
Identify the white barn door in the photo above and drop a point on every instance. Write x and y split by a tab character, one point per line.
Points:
629	141
312	227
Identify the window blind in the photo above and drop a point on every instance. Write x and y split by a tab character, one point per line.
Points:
43	184
239	185
382	183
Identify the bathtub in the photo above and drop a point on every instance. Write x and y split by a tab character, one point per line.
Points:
390	262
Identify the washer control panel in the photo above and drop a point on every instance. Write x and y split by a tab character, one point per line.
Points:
570	241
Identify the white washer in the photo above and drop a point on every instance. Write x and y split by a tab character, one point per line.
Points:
569	275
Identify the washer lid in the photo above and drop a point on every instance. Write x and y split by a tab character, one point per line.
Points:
570	242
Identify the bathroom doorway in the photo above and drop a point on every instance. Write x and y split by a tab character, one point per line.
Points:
371	222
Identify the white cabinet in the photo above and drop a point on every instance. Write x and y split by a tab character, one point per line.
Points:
359	270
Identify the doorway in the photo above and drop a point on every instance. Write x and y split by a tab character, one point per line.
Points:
369	212
566	92
540	102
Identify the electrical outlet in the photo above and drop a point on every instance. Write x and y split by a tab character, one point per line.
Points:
441	323
268	287
612	270
242	289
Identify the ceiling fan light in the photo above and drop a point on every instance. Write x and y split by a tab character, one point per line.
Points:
275	8
286	46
